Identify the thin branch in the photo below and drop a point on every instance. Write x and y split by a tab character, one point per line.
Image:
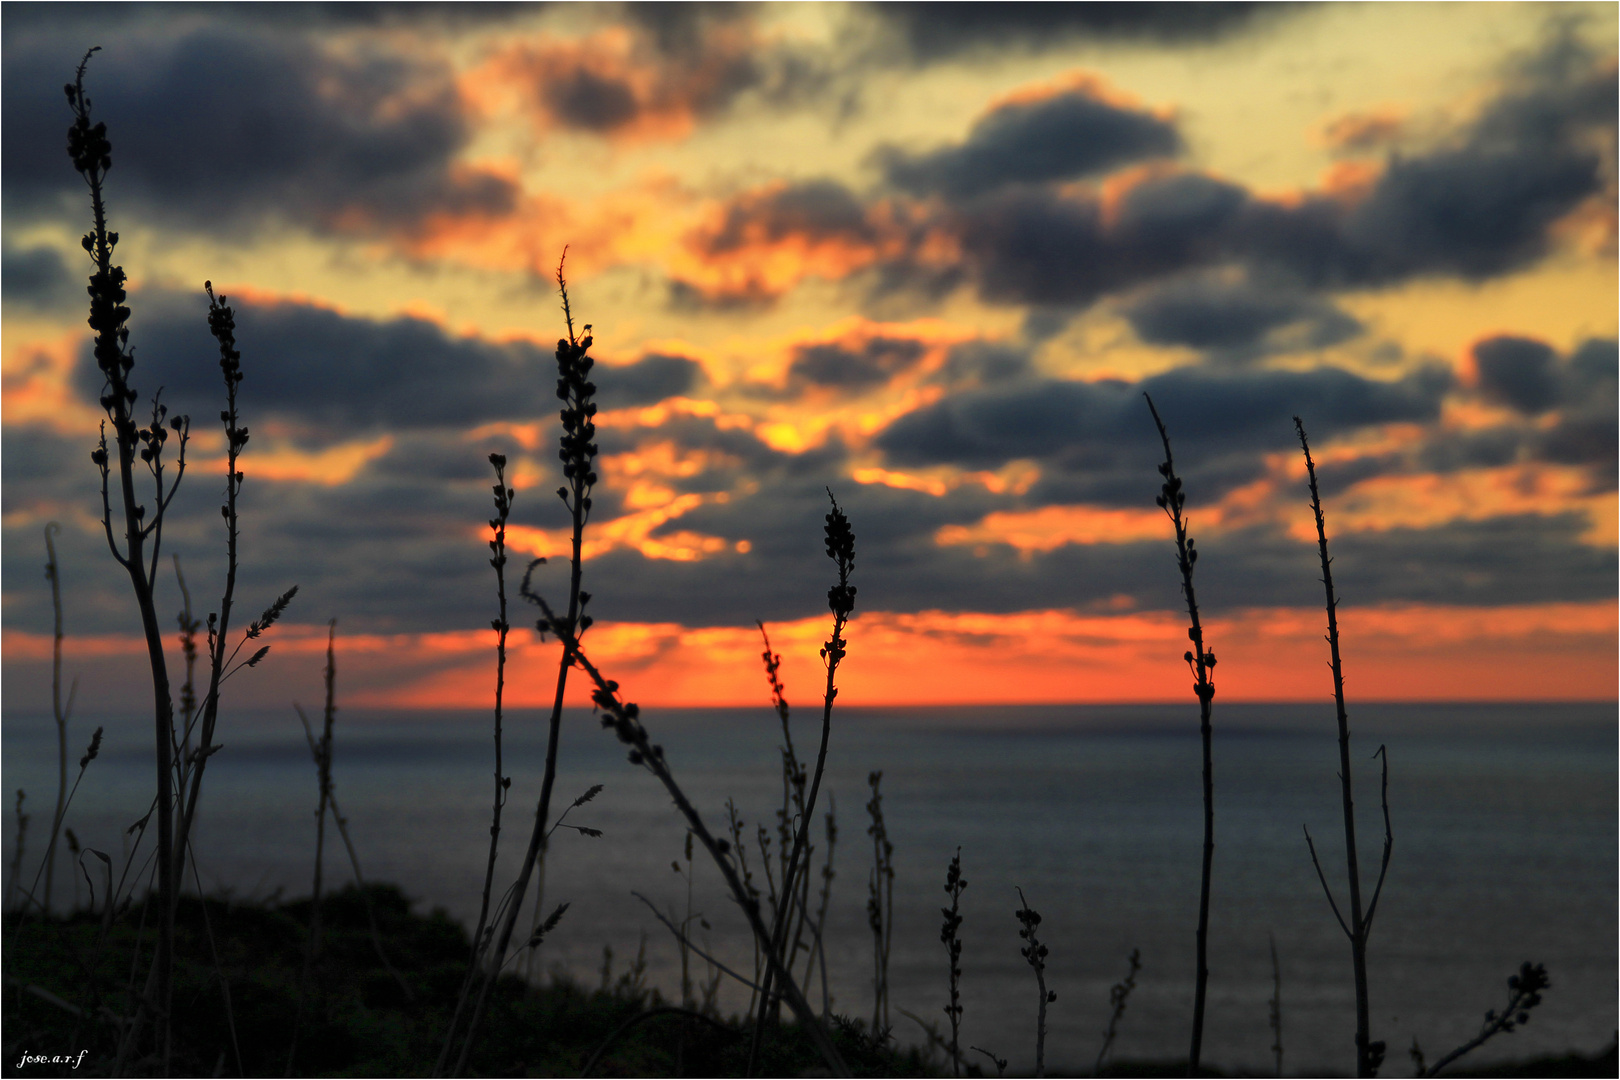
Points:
1389	841
359	878
1323	879
686	941
624	719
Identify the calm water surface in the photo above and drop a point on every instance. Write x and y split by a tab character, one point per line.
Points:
1505	850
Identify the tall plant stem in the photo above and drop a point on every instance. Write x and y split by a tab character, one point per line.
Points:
1202	663
222	324
1357	928
503	508
91	154
577	453
323	772
59	711
497	545
841	599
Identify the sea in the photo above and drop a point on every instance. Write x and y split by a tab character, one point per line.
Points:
1503	818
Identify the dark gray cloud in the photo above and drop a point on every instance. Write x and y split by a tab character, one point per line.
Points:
585	99
1477	205
1236	319
876	361
652	378
39	278
1474	213
1583	439
1455	213
220	128
1567	408
1589	414
399	549
1514	559
1073	423
1038	246
1487	448
1517	371
330	376
1529	375
814	210
1584	388
985	362
933	32
686	62
102	18
900	568
1070	134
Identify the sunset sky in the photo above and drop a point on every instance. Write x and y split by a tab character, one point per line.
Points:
929	257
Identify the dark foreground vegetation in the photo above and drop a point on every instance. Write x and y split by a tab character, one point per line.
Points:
363	1018
359	1018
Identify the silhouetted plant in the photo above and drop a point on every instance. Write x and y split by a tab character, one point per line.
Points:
538	928
686	924
73	852
91	153
342	824
17	853
685	942
497	546
59	712
1369	1054
31	897
827	876
999	1062
793	808
880	906
1034	954
1201	662
840	539
578	453
623	719
739	847
1524	994
221	656
948	935
323	773
1118	995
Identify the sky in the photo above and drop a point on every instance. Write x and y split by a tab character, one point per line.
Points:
928	257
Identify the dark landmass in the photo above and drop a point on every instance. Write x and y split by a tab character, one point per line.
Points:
63	995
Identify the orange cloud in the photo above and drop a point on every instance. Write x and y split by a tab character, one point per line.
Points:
1051	527
1427	500
1015	478
760	244
330	467
638	222
634	531
36	385
1367	129
610	83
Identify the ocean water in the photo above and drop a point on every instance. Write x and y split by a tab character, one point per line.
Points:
1505	850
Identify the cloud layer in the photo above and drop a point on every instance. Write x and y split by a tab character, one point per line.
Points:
807	274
